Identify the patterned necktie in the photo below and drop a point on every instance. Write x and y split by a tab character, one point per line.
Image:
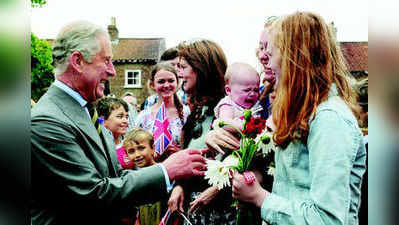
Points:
94	116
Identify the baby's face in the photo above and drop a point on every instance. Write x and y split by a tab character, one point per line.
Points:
244	89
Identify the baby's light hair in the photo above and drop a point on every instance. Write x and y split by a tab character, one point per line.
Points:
227	76
136	135
231	69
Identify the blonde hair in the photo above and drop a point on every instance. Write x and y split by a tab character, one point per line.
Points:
311	61
136	135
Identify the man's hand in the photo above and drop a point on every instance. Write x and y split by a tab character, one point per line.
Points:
184	164
176	199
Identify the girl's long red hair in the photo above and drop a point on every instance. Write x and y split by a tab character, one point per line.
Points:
311	61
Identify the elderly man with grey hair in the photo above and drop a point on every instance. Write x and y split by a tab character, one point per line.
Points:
76	178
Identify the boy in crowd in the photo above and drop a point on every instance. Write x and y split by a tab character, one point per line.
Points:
139	147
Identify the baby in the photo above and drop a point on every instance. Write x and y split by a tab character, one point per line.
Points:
242	89
242	92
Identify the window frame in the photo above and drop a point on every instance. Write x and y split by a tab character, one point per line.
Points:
137	85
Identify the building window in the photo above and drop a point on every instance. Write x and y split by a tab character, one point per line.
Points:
132	78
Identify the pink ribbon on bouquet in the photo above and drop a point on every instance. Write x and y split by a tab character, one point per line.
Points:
249	177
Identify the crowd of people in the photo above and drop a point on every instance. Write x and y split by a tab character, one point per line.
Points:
94	160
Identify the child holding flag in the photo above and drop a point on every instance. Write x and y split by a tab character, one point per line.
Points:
165	119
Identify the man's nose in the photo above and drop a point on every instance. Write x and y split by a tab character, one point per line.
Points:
111	69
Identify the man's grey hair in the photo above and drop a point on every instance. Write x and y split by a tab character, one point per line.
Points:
79	36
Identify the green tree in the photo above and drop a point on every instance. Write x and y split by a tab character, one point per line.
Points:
38	3
41	67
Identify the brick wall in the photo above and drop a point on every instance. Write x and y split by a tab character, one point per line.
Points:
117	83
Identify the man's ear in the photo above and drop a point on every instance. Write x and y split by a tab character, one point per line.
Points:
227	89
76	61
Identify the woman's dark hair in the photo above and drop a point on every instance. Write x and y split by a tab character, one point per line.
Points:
169	54
106	105
208	61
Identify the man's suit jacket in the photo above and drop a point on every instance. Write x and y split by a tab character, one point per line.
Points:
75	176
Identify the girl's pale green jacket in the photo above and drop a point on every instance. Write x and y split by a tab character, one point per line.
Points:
319	183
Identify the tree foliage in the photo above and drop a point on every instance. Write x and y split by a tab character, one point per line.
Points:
38	3
41	67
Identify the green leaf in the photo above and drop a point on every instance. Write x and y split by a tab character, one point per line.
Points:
38	3
41	67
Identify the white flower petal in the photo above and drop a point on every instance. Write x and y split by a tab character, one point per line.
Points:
271	171
230	161
266	148
217	173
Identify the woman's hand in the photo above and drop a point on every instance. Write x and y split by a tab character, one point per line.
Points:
204	198
252	192
217	138
270	77
176	199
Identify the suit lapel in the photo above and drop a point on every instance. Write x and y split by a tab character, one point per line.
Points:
109	146
78	115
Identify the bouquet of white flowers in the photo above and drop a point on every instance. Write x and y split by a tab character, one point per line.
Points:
254	136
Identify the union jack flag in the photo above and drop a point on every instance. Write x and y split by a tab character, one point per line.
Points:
161	133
